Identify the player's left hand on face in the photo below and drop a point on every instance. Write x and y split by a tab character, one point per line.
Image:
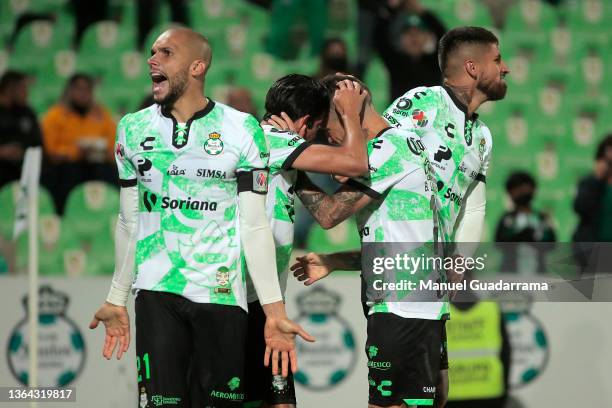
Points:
279	334
349	97
284	122
117	324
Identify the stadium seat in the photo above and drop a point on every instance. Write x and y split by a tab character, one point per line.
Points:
465	13
49	247
36	43
126	83
91	212
377	79
343	237
101	45
8	197
527	16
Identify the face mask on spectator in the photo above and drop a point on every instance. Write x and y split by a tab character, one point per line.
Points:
523	199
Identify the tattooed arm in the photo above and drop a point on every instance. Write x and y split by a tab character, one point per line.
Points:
329	211
313	267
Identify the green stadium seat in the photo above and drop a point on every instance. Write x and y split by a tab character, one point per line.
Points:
101	45
51	79
592	18
530	16
465	13
126	83
36	44
377	79
97	203
341	15
8	197
343	237
49	247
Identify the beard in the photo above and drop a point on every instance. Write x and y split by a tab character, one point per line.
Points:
177	86
494	90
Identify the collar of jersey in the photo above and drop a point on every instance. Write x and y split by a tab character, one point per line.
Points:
197	115
380	133
460	105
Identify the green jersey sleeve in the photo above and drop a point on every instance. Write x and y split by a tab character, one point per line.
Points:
415	110
125	166
285	147
390	161
254	152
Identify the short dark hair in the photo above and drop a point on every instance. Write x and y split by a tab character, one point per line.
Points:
331	81
519	178
604	145
460	36
10	78
297	95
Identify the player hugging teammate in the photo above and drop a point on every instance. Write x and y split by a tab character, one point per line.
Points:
439	125
195	342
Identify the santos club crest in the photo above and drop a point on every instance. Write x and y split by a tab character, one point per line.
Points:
61	348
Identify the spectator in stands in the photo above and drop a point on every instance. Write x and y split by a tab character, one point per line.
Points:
18	125
78	136
407	44
369	14
593	204
334	58
524	227
284	15
148	13
240	98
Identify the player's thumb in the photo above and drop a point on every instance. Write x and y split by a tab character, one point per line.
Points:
94	323
299	330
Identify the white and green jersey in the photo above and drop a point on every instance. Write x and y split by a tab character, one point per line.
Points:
401	216
188	177
285	147
458	147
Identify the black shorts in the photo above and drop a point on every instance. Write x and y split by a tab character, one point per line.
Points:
261	385
189	354
443	348
403	359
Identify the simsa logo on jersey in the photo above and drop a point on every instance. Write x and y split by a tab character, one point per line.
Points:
150	201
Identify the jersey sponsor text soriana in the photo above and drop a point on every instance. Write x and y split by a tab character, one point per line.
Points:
285	147
187	176
458	147
401	215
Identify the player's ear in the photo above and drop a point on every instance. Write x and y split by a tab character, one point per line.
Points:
198	68
304	120
471	68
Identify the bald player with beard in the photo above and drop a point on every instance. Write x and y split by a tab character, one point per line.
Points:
193	186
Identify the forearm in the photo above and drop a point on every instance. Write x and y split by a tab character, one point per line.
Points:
259	250
354	145
470	224
343	261
327	210
125	247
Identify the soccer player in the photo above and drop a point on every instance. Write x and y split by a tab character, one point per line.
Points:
193	184
393	204
298	105
458	146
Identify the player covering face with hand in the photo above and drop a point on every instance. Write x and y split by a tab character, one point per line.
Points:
296	107
193	183
457	144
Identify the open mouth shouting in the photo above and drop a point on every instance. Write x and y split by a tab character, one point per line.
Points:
160	82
